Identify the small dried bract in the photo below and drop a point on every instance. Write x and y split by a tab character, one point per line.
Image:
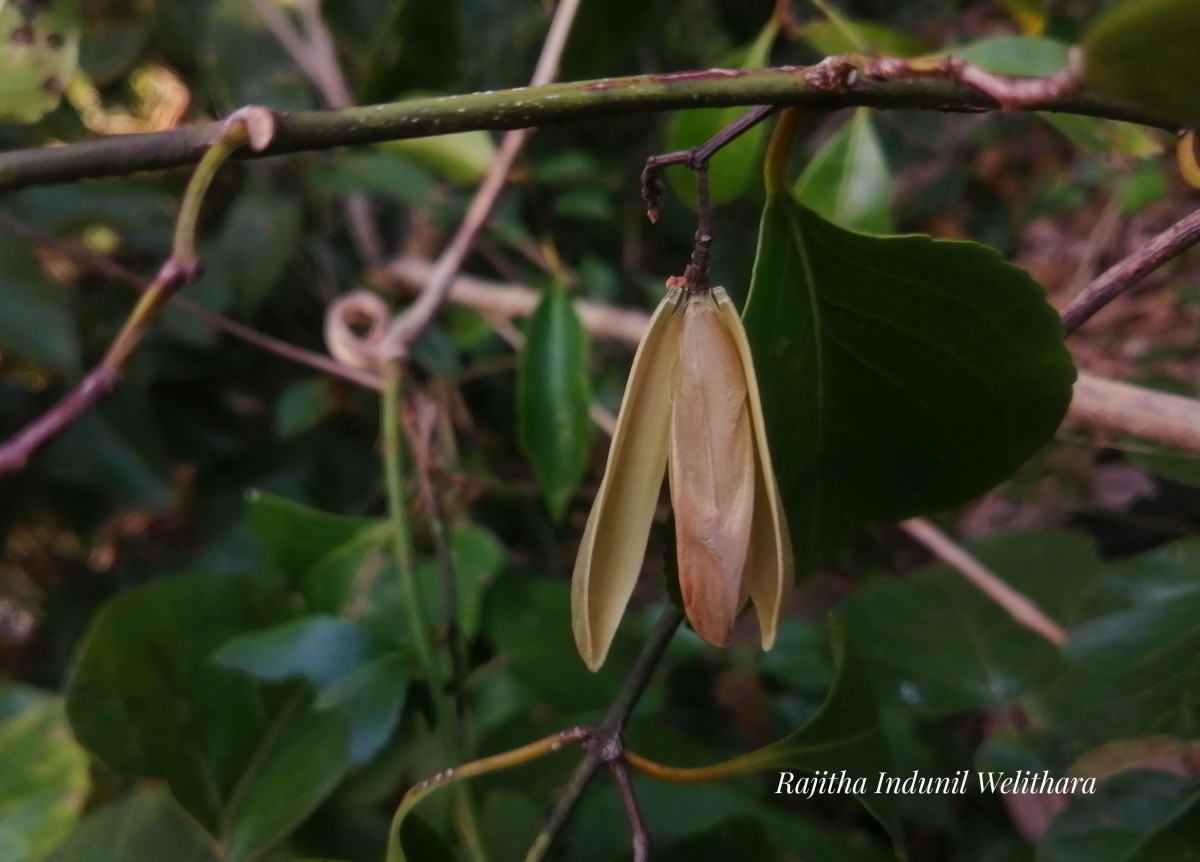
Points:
691	406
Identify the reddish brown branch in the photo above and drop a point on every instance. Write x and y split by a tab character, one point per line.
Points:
1110	284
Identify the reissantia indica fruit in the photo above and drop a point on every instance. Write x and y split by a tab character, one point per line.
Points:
691	405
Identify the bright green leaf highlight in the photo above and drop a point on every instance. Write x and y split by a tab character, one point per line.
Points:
553	399
39	50
1144	52
461	158
847	181
898	375
43	782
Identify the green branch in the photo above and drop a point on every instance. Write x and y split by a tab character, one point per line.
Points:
522	107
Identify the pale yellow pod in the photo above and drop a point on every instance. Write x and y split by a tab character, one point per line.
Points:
618	528
712	470
769	563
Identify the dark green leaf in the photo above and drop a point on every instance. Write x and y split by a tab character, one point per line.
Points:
39	50
416	46
322	650
1144	52
371	698
1130	673
43	782
553	399
145	697
735	166
847	181
295	536
256	240
1137	816
304	761
146	825
301	406
935	642
115	448
898	375
844	735
245	63
36	323
478	558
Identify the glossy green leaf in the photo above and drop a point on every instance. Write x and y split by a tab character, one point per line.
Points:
143	826
1015	55
39	50
847	181
461	158
553	399
146	698
43	782
1137	816
319	649
898	375
935	643
735	166
1143	52
36	324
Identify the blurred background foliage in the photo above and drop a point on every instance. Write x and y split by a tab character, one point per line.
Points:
215	526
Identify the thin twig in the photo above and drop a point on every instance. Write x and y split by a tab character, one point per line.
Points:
637	824
87	259
1169	244
606	745
1016	604
251	127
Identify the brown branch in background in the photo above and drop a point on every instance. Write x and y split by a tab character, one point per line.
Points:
1110	284
1016	604
314	54
86	259
252	127
1171	420
510	300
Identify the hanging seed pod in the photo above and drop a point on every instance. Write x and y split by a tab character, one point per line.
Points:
691	403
